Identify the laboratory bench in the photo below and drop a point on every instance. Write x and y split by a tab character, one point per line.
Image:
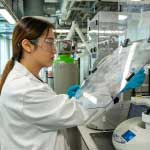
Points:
83	138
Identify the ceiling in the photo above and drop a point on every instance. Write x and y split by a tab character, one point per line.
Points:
59	12
62	12
5	28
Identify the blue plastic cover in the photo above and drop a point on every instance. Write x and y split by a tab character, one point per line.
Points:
128	135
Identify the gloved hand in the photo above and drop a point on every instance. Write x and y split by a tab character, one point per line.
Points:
74	91
78	94
136	81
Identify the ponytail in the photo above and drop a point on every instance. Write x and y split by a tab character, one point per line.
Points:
6	71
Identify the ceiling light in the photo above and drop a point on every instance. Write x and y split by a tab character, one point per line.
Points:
122	17
107	31
7	16
104	36
61	31
135	0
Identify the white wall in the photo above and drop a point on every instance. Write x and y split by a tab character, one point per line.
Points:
5	52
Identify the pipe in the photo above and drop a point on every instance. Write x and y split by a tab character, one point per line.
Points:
64	8
69	12
81	36
71	32
66	12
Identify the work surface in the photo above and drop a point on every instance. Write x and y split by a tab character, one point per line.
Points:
96	140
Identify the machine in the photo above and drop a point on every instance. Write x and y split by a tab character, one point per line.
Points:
110	78
108	118
112	72
134	133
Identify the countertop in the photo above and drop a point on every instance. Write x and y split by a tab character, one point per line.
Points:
85	133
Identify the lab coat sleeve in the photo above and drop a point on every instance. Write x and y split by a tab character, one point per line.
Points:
48	111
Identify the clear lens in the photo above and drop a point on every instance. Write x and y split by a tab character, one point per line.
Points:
50	42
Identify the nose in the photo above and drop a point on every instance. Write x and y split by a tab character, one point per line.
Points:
54	50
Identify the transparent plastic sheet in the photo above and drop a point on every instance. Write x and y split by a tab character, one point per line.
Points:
142	55
106	82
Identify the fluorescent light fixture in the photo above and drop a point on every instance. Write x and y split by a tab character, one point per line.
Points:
104	36
7	16
122	17
61	31
107	31
135	0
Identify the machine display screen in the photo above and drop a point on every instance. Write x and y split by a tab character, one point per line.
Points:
129	135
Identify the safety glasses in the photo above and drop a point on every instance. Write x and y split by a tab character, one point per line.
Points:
48	41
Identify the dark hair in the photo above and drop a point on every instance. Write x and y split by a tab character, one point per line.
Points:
27	28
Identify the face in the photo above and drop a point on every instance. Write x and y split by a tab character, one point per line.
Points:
45	49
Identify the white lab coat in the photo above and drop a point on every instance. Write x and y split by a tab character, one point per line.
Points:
31	114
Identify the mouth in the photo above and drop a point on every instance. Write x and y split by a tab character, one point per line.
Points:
52	58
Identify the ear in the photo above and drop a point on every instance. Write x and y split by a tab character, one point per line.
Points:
27	45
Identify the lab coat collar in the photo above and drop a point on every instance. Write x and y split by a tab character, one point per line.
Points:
23	71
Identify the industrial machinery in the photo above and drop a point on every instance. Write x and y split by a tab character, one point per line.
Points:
109	79
134	133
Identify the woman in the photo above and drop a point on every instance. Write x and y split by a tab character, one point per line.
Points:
31	113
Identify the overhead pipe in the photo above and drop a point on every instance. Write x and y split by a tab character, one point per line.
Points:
66	12
69	11
64	8
71	32
75	28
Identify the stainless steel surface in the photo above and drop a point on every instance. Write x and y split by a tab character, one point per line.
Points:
103	140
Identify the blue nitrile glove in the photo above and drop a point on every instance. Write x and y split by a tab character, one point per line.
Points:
72	91
78	94
136	81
